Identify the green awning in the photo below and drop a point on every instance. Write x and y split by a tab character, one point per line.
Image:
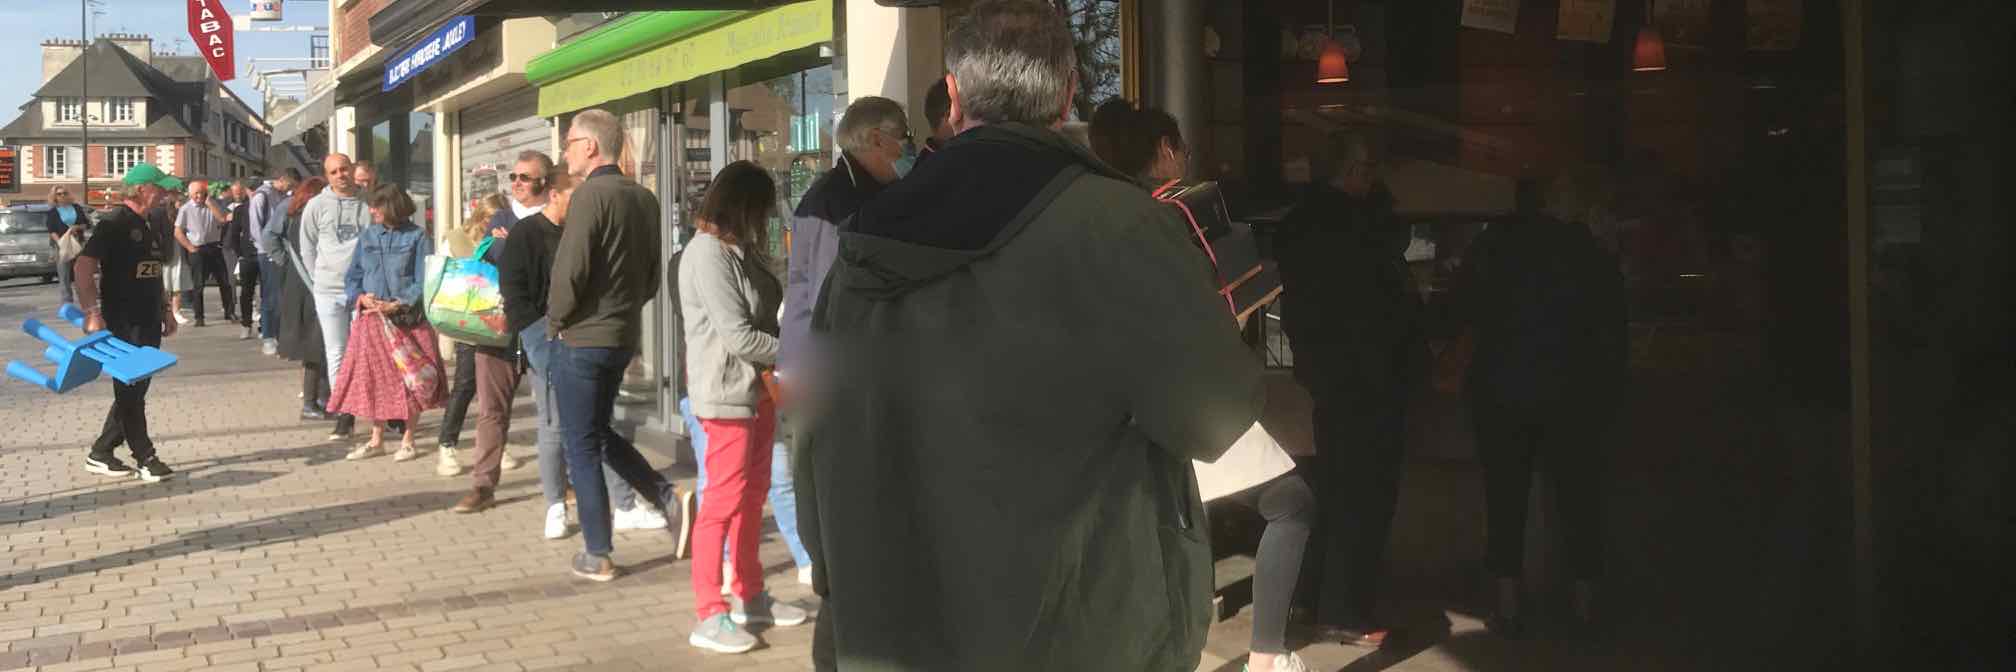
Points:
650	50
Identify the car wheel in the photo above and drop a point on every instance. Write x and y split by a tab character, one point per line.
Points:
48	279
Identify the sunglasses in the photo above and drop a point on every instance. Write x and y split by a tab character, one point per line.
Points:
532	179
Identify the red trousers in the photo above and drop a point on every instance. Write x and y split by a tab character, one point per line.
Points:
738	478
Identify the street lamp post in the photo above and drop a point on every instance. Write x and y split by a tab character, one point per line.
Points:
84	100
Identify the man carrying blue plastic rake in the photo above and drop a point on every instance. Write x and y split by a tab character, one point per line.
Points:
125	257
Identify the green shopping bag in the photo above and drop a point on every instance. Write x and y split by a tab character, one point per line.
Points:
464	301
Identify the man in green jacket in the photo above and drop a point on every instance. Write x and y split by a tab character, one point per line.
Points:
1027	353
604	271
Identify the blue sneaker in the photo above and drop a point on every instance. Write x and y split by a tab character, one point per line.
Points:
766	610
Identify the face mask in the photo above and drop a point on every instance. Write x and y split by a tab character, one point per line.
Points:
907	161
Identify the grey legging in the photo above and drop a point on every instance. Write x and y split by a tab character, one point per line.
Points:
1290	510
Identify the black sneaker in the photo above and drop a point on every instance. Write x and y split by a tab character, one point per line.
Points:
345	424
200	324
107	466
153	471
594	568
312	413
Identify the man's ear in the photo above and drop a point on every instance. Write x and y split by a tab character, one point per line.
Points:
955	116
1070	94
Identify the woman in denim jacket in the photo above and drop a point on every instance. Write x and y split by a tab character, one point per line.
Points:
384	286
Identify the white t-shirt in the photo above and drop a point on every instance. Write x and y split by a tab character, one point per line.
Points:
521	211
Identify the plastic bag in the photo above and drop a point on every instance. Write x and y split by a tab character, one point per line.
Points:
464	301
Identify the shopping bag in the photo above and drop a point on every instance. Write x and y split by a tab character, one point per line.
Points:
420	373
464	301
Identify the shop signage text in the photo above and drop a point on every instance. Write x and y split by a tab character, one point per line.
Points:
759	36
445	40
210	27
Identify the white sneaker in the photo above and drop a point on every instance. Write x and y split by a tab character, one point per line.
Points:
244	333
556	520
445	465
1287	662
365	451
407	453
639	518
805	575
269	347
183	319
509	463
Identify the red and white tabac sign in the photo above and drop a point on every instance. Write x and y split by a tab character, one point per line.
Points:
210	27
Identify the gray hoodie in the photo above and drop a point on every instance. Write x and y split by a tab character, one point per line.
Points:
329	229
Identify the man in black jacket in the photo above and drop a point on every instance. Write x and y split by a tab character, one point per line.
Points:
1353	319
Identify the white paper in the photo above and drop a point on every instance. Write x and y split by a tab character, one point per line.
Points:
1254	459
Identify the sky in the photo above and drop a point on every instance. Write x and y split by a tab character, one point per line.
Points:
29	22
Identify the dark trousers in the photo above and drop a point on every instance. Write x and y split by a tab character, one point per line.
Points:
583	388
314	387
126	423
270	280
1289	508
247	267
210	267
459	396
1360	440
1564	441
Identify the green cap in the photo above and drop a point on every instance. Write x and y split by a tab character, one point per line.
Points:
169	182
142	173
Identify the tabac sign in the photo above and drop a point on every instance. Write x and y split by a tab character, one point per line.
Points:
210	27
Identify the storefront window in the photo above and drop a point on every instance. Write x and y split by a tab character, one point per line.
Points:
1097	29
641	395
418	169
785	125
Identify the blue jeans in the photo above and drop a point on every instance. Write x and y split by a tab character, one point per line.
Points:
783	495
552	457
582	387
270	277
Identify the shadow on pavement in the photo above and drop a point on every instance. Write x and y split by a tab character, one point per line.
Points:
91	498
282	528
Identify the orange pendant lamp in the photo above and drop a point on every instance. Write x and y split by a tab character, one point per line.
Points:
1649	54
1333	67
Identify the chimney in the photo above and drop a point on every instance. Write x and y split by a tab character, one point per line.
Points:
57	54
140	46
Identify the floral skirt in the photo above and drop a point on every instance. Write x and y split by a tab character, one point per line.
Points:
389	372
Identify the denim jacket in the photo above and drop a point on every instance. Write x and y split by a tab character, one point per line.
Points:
388	264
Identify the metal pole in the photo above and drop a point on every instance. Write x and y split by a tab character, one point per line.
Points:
84	101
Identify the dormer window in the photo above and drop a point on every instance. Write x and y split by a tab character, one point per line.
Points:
122	109
69	110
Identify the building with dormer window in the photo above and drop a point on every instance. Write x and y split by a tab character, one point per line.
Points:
166	109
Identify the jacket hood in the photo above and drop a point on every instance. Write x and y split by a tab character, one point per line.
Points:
971	198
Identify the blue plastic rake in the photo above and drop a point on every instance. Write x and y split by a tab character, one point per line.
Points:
80	361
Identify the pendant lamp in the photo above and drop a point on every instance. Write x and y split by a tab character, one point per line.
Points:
1649	54
1332	67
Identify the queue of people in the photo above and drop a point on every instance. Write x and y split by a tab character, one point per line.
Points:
1012	332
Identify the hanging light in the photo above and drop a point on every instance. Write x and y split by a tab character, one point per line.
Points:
1649	54
1333	66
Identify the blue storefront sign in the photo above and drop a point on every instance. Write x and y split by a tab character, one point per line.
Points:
415	60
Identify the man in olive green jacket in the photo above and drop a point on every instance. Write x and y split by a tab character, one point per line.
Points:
1027	353
604	271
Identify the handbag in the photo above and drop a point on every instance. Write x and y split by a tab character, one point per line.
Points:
464	300
69	246
420	373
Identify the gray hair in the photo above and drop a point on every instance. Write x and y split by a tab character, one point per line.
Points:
132	191
1013	61
602	127
868	114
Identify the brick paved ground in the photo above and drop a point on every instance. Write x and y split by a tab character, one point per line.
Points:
269	552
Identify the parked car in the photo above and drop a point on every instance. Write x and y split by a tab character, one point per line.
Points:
25	248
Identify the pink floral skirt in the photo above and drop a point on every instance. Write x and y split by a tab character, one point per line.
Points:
389	372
